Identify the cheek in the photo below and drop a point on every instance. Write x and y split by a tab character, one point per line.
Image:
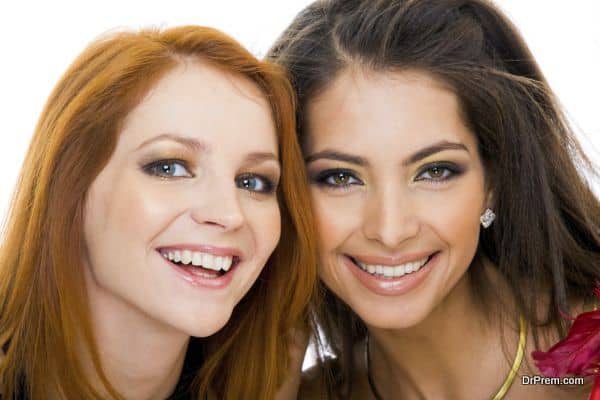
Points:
454	217
123	215
338	218
148	209
264	219
330	216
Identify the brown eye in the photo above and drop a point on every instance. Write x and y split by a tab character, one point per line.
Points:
439	172
337	179
436	172
341	178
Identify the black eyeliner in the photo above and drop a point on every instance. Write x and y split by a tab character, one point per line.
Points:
455	169
148	168
321	177
270	186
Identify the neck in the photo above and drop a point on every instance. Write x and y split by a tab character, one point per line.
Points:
141	357
454	353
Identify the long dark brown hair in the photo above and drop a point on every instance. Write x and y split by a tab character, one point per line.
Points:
546	242
44	313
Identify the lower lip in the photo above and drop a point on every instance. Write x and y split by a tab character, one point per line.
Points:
391	286
216	282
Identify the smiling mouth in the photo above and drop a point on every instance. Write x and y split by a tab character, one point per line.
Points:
200	263
391	271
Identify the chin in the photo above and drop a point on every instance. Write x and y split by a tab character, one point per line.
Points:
392	320
207	323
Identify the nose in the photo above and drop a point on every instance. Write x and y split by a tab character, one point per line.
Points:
219	205
390	218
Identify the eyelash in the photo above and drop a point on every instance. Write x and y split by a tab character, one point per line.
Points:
153	168
323	179
269	186
449	171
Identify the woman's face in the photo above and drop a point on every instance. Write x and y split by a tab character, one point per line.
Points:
398	188
184	216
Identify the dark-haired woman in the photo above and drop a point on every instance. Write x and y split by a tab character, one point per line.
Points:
455	227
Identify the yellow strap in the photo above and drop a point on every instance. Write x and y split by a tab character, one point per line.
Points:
518	360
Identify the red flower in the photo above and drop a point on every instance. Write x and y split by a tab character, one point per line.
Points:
577	354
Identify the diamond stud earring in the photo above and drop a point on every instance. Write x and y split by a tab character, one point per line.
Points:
487	218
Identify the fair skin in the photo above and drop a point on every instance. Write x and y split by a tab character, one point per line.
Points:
398	188
179	223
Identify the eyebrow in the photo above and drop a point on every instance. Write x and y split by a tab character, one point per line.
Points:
337	156
192	144
434	148
361	161
259	157
256	157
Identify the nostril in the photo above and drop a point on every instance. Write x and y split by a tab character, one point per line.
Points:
213	216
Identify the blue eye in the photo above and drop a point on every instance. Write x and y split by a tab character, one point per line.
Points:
255	183
337	178
438	173
168	169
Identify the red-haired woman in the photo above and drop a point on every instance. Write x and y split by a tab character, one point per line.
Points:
141	256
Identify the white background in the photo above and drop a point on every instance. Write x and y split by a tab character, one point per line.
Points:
40	39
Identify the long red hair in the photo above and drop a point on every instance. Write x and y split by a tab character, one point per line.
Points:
43	302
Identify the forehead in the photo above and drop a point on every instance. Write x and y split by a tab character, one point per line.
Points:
405	110
200	100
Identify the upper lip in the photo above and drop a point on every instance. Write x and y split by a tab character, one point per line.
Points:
204	248
392	260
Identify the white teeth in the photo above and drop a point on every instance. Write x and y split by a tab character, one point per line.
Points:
227	263
399	271
204	260
208	261
393	270
186	257
219	263
196	258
